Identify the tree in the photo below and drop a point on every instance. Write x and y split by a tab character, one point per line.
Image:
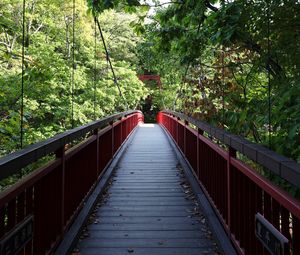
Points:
63	69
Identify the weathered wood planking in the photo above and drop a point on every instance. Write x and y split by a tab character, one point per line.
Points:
148	211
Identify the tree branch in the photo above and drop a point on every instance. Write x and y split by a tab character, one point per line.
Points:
210	6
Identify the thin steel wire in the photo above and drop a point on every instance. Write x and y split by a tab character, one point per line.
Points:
23	73
95	67
269	77
73	66
110	64
223	88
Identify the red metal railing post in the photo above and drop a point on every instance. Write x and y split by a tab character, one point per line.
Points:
159	118
231	154
121	131
60	154
96	133
127	126
200	132
112	139
177	124
184	136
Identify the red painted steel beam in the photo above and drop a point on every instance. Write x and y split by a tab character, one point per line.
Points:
147	77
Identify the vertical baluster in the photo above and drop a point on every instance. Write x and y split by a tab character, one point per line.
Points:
28	211
224	194
11	214
267	207
197	155
206	166
296	236
2	221
208	170
275	214
20	207
258	209
248	220
225	197
239	225
177	130
267	211
252	212
285	223
20	212
39	220
221	187
230	168
112	139
121	132
174	128
243	213
214	176
231	202
184	137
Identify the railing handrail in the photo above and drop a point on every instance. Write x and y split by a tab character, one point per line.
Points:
282	166
15	161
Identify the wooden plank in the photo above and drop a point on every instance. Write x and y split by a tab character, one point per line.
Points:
150	190
146	251
144	226
147	234
147	198
149	207
148	213
133	177
150	220
146	181
144	243
147	194
146	185
134	203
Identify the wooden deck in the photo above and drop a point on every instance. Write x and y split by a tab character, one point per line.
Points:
149	208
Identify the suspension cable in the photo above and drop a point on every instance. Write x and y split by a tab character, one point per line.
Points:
269	76
223	88
110	64
23	73
73	66
95	66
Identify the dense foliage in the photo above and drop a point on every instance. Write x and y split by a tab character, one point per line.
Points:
55	56
235	64
232	63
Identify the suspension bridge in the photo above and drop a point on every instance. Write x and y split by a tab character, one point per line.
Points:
119	186
175	187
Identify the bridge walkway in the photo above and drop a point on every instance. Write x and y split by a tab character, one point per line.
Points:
149	207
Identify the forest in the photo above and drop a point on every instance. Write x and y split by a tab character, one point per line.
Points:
234	64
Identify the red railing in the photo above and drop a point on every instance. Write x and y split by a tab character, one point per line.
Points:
235	190
55	193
